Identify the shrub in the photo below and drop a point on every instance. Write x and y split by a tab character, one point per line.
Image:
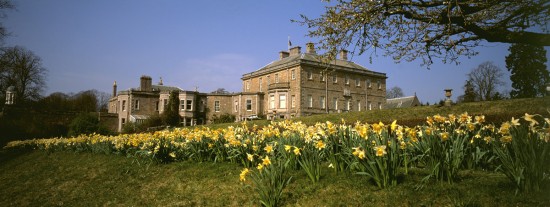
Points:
86	123
224	118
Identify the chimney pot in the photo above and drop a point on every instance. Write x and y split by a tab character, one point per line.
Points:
114	89
295	50
310	48
283	54
146	83
344	55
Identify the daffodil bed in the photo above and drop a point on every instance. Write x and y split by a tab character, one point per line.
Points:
383	153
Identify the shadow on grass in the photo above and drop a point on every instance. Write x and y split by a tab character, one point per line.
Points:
10	154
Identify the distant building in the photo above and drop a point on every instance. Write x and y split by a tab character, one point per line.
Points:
10	95
402	102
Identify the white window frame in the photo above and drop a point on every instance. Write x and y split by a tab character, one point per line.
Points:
335	103
322	102
282	101
182	104
358	82
334	78
309	75
189	105
276	77
293	101
310	101
293	74
272	101
248	104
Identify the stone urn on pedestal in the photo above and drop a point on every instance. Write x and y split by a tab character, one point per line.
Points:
448	94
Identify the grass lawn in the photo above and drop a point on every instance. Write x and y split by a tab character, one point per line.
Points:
38	178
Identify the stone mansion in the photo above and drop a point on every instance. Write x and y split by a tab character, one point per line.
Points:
297	84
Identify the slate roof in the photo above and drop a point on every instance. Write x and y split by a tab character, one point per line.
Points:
156	89
402	102
312	59
165	88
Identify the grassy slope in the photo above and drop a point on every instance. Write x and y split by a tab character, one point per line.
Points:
83	179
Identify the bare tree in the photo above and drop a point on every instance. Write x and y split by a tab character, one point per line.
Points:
22	69
485	80
102	100
4	5
411	29
220	91
394	92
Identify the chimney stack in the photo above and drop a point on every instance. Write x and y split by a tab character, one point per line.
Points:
146	83
295	50
283	54
344	55
114	89
310	48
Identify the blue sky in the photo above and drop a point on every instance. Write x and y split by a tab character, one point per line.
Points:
209	44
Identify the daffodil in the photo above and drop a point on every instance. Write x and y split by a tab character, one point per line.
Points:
380	150
320	145
393	125
480	119
250	157
358	152
487	139
506	139
514	122
266	161
444	136
260	166
297	151
287	148
530	119
464	118
243	174
268	149
504	128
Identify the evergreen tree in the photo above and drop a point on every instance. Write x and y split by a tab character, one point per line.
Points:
469	93
529	77
171	116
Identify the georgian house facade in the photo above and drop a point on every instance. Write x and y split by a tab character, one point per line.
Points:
300	84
